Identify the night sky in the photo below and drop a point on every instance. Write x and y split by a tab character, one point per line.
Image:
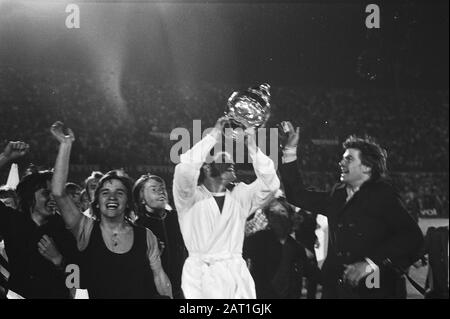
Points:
305	43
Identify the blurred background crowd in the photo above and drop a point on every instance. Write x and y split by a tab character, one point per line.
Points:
411	124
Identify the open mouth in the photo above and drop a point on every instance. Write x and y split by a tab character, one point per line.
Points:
51	205
112	206
344	172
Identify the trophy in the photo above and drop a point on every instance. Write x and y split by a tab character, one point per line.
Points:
248	108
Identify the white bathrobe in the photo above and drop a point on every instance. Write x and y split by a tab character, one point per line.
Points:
215	267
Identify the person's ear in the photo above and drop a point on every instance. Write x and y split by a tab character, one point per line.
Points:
366	169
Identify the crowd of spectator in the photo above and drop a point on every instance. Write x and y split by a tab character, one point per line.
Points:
122	127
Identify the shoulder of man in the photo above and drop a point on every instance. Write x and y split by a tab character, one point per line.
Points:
384	187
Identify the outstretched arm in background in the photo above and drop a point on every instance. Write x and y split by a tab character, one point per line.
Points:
70	213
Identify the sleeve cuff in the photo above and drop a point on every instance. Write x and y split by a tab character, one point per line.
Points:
215	133
289	155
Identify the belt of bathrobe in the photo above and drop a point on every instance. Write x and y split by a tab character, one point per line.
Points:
210	259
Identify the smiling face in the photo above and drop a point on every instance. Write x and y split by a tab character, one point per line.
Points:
353	172
223	167
227	173
44	204
112	199
154	194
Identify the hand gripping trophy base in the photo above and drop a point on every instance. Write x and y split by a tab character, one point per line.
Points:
233	129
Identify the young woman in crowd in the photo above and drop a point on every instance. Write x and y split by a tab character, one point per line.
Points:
154	213
119	259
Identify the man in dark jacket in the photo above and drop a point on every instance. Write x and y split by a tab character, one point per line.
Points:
372	236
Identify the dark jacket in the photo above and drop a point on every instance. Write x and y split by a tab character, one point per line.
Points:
174	252
31	275
373	224
277	269
436	246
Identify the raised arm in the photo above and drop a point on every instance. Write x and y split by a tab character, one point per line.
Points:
70	213
267	183
188	170
296	192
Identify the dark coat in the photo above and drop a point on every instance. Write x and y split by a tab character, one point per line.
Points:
436	246
277	269
373	224
31	275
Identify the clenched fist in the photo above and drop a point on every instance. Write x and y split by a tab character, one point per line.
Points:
15	150
57	130
293	134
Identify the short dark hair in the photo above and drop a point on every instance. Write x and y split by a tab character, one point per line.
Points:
126	181
138	185
30	184
371	154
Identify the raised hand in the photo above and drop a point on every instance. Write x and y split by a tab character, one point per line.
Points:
221	122
250	139
47	248
57	130
15	150
293	134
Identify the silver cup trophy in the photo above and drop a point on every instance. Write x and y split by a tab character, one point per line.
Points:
248	108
